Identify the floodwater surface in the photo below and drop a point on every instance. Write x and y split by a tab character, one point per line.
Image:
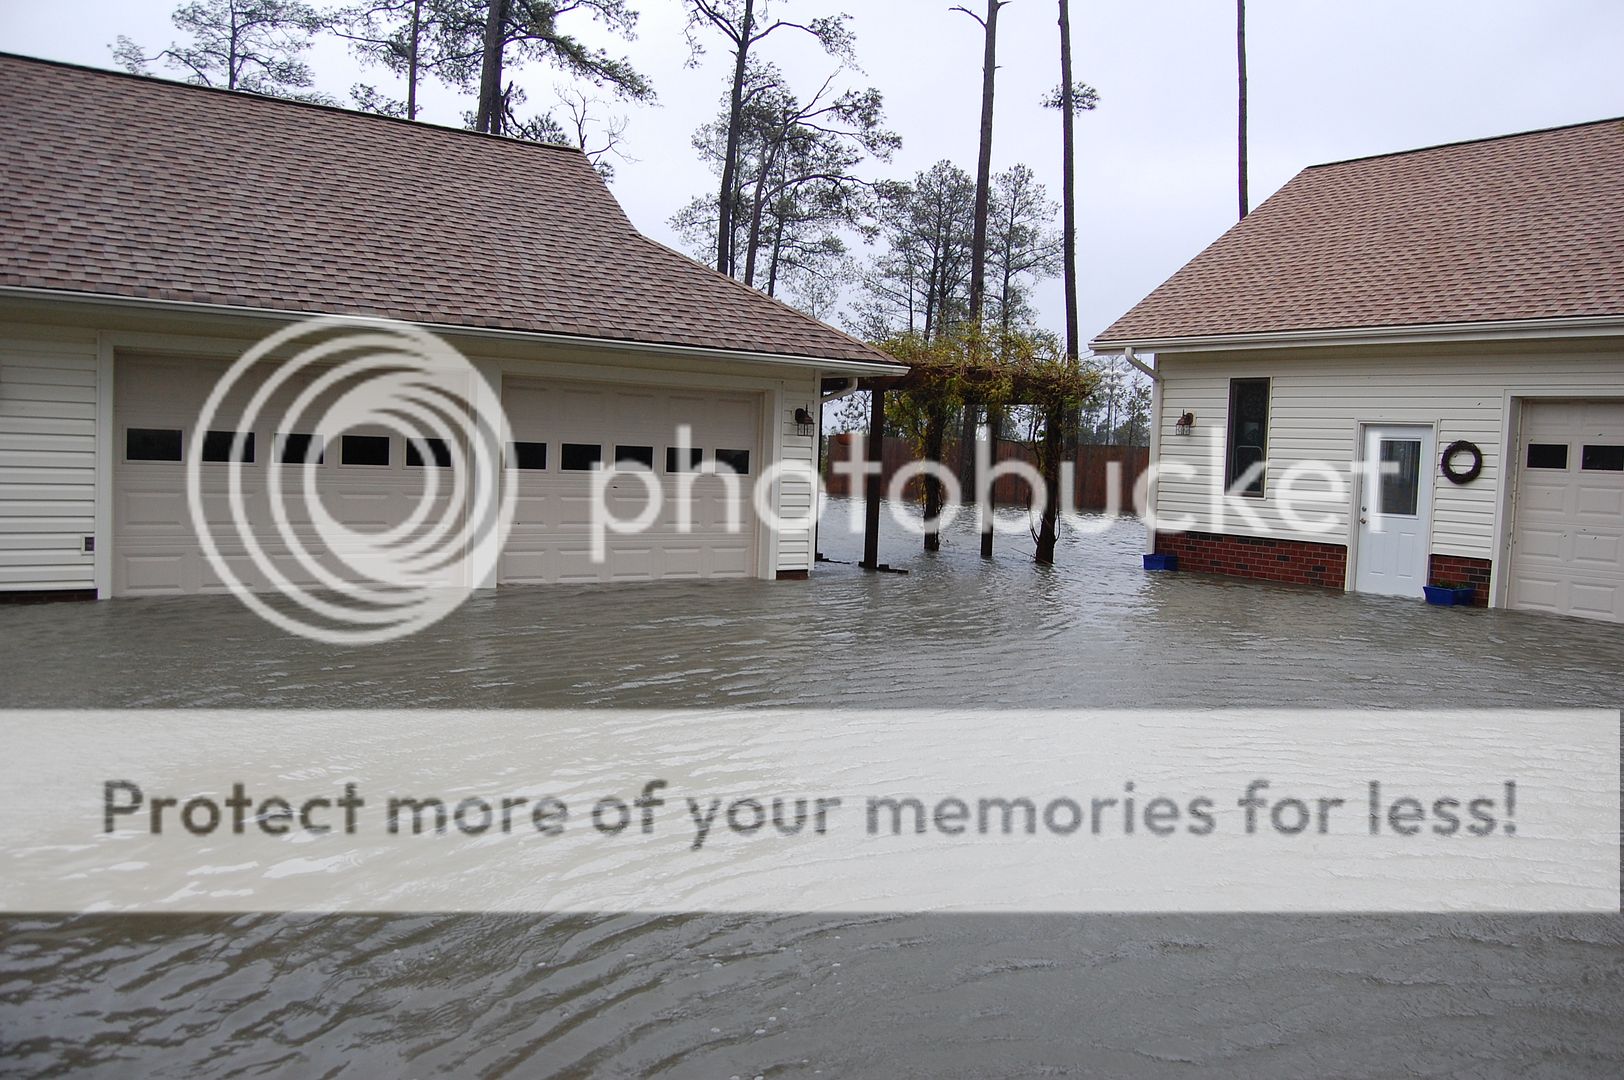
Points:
794	995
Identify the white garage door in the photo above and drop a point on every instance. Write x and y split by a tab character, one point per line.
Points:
1568	525
368	482
563	430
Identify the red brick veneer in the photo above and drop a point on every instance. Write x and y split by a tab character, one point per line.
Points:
1460	570
1296	562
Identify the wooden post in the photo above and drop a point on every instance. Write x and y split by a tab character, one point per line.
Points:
872	485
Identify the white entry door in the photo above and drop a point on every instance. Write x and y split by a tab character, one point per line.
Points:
1395	510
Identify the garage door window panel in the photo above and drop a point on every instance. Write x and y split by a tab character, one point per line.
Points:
634	457
736	460
221	447
1547	455
675	461
297	449
152	444
580	457
438	452
1602	458
368	450
529	456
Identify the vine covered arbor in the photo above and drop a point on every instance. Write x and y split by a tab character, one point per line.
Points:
1002	375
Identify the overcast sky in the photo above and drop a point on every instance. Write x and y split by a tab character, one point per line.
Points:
1330	79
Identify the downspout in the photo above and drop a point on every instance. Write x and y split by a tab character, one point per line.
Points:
1155	444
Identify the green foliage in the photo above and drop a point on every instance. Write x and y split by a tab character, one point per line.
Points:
797	187
254	45
976	367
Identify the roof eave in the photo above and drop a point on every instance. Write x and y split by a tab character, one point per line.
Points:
821	363
1508	330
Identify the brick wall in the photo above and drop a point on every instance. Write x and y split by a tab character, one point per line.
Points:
1295	562
1459	570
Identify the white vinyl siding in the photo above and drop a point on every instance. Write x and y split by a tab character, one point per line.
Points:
1318	399
797	490
47	461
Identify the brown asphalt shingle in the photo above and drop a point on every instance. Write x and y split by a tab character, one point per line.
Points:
1521	227
140	187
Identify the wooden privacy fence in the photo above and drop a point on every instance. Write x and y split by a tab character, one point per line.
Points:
1091	476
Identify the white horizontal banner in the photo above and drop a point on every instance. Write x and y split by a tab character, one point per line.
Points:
810	810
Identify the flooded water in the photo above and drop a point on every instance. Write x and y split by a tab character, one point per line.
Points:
783	995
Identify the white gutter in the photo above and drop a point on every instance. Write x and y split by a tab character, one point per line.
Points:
1128	355
855	367
839	395
1508	330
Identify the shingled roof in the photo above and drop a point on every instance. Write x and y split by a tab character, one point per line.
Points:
145	188
1523	227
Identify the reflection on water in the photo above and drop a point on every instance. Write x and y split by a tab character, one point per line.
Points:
792	995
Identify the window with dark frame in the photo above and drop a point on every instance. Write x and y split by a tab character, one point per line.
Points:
674	463
530	456
365	450
736	460
152	444
297	448
217	446
1547	455
1248	432
580	457
439	452
634	457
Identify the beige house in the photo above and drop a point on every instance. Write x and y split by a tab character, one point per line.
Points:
1403	370
152	231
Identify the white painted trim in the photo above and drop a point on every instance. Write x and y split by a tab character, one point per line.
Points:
1511	330
106	436
856	367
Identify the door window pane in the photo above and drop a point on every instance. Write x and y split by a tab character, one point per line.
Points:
152	444
1603	459
1547	455
1400	477
366	450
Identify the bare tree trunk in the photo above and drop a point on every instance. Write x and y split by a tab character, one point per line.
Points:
1068	185
489	116
978	248
411	60
1240	57
753	241
730	158
978	243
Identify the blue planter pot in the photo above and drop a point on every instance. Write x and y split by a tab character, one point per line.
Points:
1449	596
1161	562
